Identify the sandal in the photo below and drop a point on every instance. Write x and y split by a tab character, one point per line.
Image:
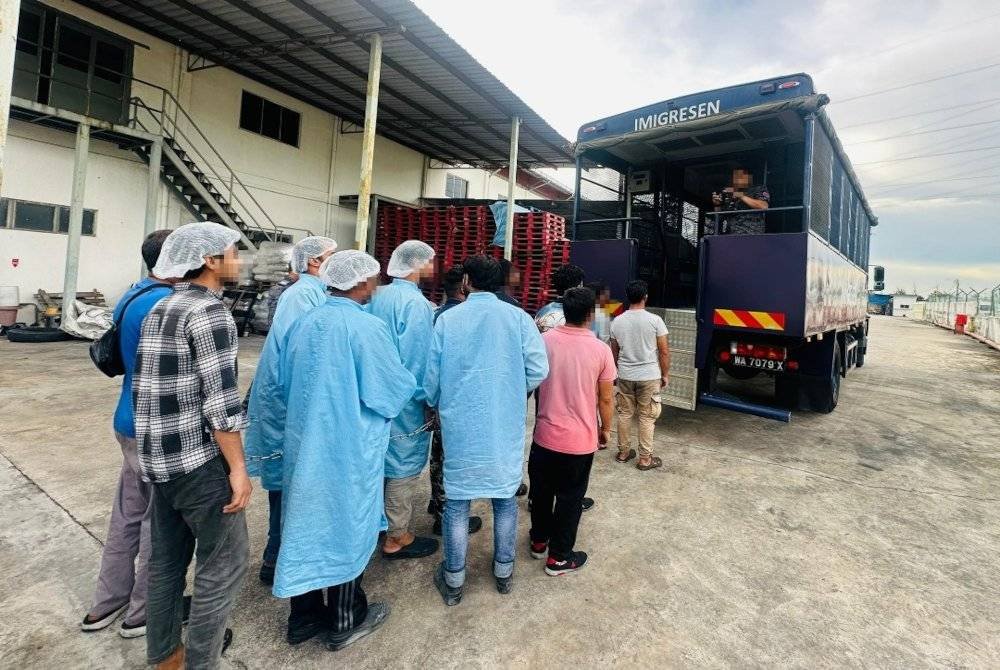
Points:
628	457
654	462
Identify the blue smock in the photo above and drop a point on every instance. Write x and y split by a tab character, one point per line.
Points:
486	356
265	434
343	384
410	318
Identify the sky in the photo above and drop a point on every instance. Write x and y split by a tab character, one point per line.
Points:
914	89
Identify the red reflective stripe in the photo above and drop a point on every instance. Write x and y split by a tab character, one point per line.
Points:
747	319
779	318
718	320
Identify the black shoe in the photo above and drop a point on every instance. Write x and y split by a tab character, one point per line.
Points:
419	548
227	639
305	628
505	584
475	525
574	563
267	574
452	595
587	503
522	490
377	614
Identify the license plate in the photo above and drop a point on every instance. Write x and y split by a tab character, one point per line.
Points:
758	363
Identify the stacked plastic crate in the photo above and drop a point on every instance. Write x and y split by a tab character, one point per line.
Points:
539	244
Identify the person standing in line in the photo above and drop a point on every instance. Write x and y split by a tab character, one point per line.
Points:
344	384
563	279
485	358
410	318
581	381
642	353
188	417
601	323
265	434
121	582
454	291
511	283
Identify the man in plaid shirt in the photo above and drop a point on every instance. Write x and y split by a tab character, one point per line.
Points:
188	414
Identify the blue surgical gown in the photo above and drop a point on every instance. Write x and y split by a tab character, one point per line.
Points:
410	318
344	383
266	432
486	356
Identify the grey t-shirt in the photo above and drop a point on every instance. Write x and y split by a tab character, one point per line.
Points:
636	331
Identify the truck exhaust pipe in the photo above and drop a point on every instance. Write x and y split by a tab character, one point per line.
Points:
737	405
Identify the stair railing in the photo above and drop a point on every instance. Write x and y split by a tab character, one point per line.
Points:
172	121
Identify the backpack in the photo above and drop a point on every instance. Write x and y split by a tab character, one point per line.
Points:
106	351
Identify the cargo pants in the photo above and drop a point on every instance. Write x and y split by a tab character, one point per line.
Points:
642	399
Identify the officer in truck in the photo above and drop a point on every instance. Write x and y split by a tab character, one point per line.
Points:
742	195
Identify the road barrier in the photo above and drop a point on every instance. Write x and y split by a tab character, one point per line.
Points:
978	312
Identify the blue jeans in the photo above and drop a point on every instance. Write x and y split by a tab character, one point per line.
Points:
273	527
456	538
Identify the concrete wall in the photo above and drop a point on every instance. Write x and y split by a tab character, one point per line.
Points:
298	187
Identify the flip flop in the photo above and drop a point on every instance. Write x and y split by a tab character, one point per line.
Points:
419	548
654	462
628	457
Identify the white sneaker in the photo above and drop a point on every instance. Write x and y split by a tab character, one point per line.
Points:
129	632
88	626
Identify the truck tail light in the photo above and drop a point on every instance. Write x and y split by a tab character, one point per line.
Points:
787	84
793	365
724	356
765	351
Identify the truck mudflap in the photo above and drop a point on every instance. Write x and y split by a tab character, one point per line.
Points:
682	392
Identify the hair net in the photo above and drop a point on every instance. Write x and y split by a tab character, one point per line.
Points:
409	257
346	269
308	248
185	248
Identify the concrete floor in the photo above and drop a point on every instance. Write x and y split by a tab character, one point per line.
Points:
865	538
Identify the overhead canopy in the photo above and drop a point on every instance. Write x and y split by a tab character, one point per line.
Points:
435	98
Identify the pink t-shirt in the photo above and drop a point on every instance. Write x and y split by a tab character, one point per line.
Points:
567	399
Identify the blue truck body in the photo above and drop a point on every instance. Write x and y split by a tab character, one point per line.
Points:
796	290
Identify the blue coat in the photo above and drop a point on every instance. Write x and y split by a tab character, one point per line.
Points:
486	356
344	383
266	433
410	318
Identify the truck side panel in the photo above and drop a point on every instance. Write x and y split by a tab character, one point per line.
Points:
835	295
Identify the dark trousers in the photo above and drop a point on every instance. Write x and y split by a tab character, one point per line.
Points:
273	527
437	475
558	484
187	520
346	606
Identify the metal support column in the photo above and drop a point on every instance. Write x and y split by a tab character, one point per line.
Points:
75	217
10	10
152	194
508	242
368	143
576	197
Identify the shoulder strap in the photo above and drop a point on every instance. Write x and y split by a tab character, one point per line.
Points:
145	289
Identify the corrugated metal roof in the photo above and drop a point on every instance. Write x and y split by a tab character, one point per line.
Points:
434	96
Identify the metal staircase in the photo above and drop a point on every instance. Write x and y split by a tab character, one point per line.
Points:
197	174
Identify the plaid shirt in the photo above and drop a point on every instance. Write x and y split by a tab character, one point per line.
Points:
184	386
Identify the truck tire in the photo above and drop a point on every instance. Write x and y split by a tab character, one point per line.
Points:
786	391
36	334
824	394
860	356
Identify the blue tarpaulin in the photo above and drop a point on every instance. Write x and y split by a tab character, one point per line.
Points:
499	209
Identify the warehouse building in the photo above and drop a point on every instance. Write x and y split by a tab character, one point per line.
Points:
254	112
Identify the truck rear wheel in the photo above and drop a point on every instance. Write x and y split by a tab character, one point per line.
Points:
825	393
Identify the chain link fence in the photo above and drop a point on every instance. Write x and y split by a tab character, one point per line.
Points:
979	309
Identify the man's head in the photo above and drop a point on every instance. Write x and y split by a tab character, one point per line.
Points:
309	253
601	291
151	247
578	306
351	274
566	277
412	260
203	251
742	179
453	283
636	291
483	273
511	275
